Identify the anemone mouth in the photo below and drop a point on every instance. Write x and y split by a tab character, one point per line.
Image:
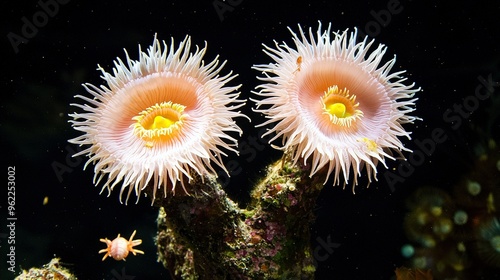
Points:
364	97
159	123
340	107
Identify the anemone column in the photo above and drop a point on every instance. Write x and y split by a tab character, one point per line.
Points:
207	236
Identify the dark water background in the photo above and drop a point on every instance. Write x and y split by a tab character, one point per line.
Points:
444	47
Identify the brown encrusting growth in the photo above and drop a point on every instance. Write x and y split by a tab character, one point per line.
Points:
53	270
207	236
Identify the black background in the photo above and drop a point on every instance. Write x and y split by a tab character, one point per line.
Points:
444	48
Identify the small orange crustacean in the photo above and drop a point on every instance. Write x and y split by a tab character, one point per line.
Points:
299	63
119	248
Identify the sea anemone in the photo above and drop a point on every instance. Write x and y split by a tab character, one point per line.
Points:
488	241
333	104
159	119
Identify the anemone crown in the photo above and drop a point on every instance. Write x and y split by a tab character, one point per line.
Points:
333	104
159	118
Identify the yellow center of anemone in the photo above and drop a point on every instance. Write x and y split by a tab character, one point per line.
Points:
337	109
340	106
159	123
